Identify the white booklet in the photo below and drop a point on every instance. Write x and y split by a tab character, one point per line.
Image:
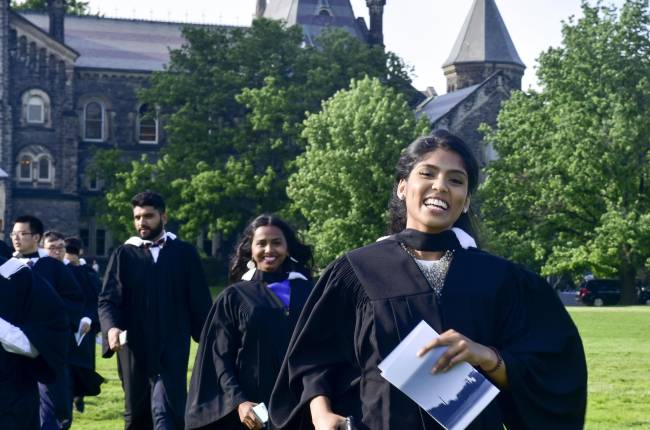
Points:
453	398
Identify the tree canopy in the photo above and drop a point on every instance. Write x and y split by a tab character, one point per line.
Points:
570	190
233	102
345	176
72	7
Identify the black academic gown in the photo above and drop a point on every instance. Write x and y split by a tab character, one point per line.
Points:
65	284
31	304
241	350
371	298
82	356
160	305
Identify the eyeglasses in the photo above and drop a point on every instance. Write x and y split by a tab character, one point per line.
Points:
55	248
14	234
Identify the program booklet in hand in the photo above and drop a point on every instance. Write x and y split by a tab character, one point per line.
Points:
453	398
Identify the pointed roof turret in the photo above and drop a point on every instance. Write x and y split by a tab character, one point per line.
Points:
314	16
484	38
483	48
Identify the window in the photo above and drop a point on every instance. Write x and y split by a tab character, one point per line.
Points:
94	121
35	165
25	169
44	169
147	125
35	110
100	244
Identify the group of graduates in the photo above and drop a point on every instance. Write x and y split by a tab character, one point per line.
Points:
304	353
48	326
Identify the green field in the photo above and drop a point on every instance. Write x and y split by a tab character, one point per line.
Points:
617	342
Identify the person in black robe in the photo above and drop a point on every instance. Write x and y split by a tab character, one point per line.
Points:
5	250
154	298
85	381
248	330
491	313
33	337
56	398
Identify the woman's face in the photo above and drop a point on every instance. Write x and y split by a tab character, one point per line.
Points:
269	248
435	192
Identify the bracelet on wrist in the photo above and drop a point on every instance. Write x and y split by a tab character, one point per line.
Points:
499	361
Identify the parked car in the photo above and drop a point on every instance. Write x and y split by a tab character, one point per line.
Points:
644	295
599	292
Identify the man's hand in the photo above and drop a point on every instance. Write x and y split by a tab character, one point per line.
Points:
247	416
114	339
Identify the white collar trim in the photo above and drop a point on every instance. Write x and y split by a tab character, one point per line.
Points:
138	241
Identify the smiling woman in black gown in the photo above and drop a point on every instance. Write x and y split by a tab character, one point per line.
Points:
248	330
491	313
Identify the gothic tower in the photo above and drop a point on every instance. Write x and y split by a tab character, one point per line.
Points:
483	47
316	16
376	12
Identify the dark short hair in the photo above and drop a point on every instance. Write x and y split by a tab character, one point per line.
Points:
297	250
73	245
413	154
52	235
149	198
35	224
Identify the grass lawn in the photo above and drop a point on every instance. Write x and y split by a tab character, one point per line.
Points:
616	340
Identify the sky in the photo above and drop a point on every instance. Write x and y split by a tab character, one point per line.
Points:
422	32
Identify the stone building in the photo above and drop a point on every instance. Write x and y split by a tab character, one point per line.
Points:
482	71
68	86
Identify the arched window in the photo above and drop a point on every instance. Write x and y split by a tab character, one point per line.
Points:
35	166
94	121
35	110
25	168
44	169
147	125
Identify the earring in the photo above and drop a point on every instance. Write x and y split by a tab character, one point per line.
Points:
250	265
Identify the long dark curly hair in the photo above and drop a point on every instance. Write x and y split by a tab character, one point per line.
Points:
413	154
299	251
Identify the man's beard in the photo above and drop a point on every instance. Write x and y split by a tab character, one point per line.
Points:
153	233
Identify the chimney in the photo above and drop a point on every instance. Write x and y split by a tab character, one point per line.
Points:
260	8
376	12
56	11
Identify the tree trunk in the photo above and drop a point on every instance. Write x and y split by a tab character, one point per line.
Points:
627	274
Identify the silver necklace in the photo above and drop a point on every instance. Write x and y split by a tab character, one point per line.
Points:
435	271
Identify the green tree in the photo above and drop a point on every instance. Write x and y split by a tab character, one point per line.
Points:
569	192
233	101
345	176
72	7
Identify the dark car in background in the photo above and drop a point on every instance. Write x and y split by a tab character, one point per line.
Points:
599	292
644	295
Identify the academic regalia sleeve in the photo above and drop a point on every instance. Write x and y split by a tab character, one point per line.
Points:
214	390
320	358
544	358
199	298
93	289
110	301
45	324
70	292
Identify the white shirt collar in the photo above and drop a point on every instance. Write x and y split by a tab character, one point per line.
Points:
138	241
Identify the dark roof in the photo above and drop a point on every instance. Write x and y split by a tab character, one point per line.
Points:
437	107
314	16
117	44
484	38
